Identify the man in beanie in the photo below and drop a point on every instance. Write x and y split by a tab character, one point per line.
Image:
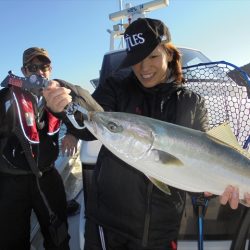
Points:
126	211
20	190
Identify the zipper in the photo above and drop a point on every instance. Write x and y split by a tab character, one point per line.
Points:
147	216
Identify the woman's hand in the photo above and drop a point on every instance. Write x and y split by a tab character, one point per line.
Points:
57	97
231	196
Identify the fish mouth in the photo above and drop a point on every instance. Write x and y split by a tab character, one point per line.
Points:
90	115
91	123
131	143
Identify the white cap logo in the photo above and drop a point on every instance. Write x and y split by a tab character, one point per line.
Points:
134	40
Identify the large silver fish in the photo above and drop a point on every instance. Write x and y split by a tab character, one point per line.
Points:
177	156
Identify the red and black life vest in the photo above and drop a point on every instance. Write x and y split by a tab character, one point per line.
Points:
26	116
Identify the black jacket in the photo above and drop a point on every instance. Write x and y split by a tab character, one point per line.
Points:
12	156
124	200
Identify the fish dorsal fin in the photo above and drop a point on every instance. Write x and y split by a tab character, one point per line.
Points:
162	186
224	134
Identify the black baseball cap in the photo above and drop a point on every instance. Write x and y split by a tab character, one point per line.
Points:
142	36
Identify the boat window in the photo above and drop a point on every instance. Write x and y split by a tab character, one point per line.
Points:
192	57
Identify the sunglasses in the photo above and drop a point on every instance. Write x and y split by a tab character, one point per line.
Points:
33	68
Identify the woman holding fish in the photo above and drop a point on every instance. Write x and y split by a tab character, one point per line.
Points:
130	211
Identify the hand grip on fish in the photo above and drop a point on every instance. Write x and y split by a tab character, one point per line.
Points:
70	113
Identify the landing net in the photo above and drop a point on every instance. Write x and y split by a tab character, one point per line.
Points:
226	90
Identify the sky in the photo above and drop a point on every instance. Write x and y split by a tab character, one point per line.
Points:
75	32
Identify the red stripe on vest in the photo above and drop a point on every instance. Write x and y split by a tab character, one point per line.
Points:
54	124
173	245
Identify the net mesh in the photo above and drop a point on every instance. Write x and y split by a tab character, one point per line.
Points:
226	90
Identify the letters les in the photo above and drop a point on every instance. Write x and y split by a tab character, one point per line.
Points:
134	40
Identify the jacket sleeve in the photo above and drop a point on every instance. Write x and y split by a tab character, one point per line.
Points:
191	111
6	112
83	98
201	115
107	94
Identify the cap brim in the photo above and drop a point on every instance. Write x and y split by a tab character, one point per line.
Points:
130	60
32	57
134	58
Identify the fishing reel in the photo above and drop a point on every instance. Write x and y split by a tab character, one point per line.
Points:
34	83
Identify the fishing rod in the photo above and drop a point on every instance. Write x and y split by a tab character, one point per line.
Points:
200	204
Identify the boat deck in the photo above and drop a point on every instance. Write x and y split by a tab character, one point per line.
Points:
73	187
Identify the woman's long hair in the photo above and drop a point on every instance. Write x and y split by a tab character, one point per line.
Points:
175	65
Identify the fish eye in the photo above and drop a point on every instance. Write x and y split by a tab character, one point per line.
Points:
113	127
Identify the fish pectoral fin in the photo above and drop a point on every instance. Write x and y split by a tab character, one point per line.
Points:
225	135
162	186
166	158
